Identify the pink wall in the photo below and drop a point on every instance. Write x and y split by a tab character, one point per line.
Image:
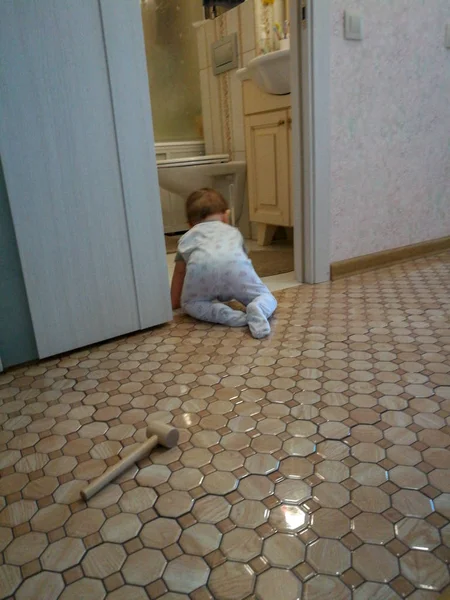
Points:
390	126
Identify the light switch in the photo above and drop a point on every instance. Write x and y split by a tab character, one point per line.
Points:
447	36
352	26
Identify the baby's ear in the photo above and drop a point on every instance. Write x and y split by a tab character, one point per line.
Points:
226	217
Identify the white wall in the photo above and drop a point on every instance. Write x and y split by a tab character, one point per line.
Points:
390	127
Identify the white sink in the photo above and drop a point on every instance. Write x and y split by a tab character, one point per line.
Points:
271	72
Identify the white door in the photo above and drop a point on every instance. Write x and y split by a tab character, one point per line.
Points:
76	141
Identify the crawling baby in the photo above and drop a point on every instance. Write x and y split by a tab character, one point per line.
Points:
212	267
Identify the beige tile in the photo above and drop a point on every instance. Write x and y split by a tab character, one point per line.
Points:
137	500
5	537
375	563
322	587
174	504
282	550
18	512
328	556
331	495
288	519
128	592
200	539
369	474
330	522
26	548
417	534
187	573
412	503
43	585
104	560
249	513
373	528
106	497
88	589
211	509
424	570
121	528
256	487
219	483
63	554
272	581
232	580
144	567
186	479
160	533
153	475
85	522
332	471
370	499
370	590
241	545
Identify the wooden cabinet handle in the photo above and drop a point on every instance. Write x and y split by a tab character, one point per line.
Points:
289	121
281	122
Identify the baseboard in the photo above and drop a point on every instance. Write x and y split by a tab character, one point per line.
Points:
369	262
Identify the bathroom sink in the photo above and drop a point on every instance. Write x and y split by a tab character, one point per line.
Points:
271	72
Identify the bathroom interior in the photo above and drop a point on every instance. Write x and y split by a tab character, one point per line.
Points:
216	127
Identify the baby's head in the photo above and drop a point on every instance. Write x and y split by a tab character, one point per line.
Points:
206	204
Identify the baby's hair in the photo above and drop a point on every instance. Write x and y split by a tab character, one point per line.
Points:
204	203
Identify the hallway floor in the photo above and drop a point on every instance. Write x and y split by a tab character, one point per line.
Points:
313	465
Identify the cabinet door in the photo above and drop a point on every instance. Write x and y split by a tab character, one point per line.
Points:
79	163
268	167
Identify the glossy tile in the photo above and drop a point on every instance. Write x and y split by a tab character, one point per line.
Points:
313	465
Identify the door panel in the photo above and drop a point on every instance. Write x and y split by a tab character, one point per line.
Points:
268	170
65	184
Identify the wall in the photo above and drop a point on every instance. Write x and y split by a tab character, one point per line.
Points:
172	65
390	124
17	342
221	96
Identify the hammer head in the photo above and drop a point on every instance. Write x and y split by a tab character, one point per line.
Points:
167	435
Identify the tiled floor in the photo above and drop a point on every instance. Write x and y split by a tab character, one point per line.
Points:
313	465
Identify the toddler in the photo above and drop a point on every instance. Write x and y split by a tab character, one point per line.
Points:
212	267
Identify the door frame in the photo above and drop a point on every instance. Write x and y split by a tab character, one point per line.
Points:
310	94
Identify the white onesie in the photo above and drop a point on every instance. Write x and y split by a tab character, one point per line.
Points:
219	270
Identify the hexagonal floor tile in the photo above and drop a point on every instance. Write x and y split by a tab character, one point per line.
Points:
231	581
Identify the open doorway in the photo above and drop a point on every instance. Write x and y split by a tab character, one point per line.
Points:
200	113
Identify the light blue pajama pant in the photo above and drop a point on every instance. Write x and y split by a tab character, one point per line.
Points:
207	286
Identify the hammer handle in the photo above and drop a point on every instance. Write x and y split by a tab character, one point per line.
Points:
117	469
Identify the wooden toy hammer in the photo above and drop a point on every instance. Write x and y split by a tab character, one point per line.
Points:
158	433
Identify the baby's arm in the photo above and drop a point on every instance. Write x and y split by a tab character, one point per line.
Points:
177	283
